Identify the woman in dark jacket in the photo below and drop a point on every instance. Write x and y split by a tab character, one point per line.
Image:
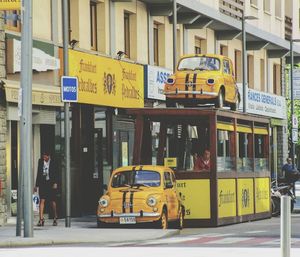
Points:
46	182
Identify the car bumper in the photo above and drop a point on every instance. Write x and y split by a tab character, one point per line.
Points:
187	92
134	214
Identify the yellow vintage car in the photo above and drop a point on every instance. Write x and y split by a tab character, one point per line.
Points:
141	194
202	79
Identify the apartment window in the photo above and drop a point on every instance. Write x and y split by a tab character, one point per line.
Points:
197	45
253	2
11	20
250	71
278	8
276	79
93	13
127	34
155	44
262	75
238	66
223	50
267	6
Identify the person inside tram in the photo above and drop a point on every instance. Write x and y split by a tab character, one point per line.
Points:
202	163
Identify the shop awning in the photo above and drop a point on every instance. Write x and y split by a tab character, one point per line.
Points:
41	94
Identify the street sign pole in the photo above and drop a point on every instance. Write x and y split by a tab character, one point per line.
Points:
26	115
65	15
292	99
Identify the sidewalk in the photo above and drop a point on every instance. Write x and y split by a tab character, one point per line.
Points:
83	230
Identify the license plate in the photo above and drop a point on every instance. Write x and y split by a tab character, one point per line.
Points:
127	220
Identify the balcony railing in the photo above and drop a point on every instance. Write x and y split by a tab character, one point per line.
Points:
233	8
288	25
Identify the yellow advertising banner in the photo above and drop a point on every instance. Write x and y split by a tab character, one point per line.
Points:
226	198
262	195
108	82
245	196
10	4
195	195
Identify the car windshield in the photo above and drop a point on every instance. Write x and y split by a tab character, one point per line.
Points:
199	63
136	178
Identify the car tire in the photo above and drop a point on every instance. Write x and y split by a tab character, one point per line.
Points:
221	99
179	222
100	224
163	221
235	106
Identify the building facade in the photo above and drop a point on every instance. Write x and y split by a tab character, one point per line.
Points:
102	133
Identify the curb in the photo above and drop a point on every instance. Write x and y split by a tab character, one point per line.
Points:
22	242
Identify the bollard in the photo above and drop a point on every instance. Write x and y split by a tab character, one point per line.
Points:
285	226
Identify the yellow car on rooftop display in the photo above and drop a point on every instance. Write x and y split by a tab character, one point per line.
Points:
141	194
202	79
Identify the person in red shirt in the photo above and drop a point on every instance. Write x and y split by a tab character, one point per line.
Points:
202	163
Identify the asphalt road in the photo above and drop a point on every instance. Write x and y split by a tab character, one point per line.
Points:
263	233
258	234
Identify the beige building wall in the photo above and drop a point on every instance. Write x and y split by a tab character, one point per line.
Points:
268	20
212	3
41	19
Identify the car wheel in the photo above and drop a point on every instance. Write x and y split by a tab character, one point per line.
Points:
179	222
100	224
235	106
163	221
220	99
170	103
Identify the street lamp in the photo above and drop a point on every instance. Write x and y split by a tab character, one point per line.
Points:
292	97
245	84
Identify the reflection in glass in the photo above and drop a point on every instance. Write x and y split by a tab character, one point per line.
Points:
225	162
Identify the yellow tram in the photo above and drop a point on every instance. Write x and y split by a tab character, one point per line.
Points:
234	186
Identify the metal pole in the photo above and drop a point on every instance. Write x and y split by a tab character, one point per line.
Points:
285	226
67	114
20	180
174	35
244	64
292	100
26	117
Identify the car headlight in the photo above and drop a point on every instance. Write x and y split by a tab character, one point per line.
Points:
210	82
170	81
103	202
151	201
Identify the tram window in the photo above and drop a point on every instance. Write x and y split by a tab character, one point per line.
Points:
225	159
244	160
261	160
189	144
155	130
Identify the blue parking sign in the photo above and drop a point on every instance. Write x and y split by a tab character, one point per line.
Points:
69	89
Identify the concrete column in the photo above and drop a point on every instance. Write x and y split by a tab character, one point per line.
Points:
150	39
112	28
4	190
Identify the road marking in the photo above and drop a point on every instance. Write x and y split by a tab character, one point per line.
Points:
255	232
229	240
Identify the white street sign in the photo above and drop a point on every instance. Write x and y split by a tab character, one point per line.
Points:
294	122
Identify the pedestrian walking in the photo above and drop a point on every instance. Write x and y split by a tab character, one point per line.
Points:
46	184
